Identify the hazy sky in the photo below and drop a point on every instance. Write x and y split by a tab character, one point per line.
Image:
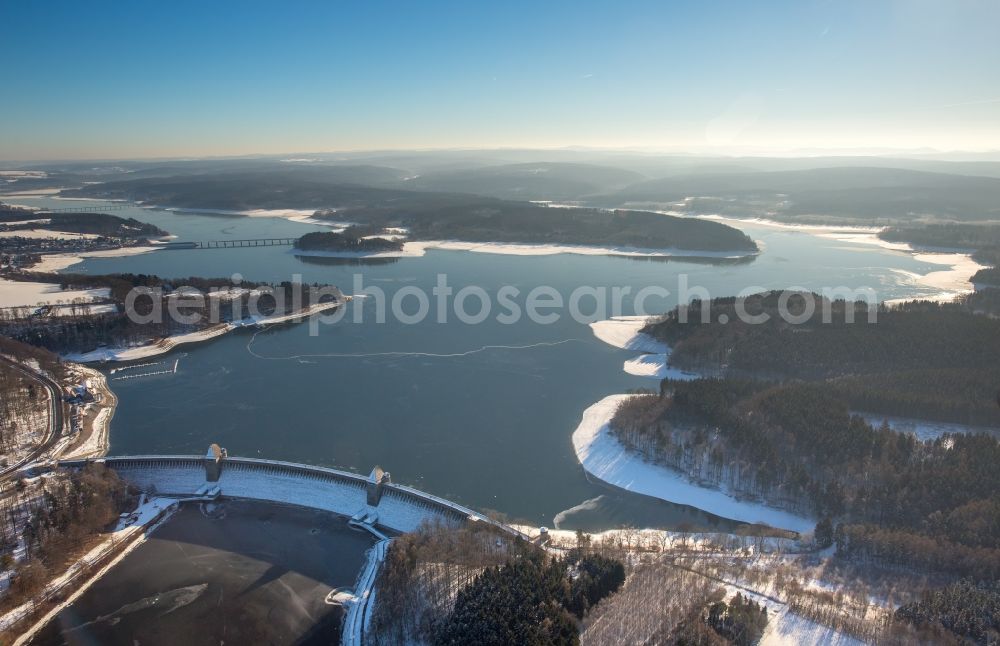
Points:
145	79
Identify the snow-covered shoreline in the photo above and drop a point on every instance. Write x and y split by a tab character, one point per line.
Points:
952	282
97	440
625	332
302	216
154	348
165	344
606	459
55	262
418	248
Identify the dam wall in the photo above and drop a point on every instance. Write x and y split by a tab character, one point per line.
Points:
399	508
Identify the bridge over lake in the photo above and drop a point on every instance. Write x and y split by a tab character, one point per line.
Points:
88	209
231	244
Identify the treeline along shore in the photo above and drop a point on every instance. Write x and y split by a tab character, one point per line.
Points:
429	215
778	422
147	307
982	240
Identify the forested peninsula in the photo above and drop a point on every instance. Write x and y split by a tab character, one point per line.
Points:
777	421
431	216
937	361
352	239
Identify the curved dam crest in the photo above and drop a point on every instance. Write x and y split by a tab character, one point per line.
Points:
395	507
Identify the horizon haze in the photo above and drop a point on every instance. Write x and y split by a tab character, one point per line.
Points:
122	81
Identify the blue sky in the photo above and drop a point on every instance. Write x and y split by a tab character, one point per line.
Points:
144	79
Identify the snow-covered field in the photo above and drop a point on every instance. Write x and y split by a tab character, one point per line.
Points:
605	458
785	628
27	294
9	223
31	294
45	234
77	310
926	430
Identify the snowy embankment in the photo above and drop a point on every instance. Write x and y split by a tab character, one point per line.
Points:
605	458
157	347
950	283
95	437
624	332
417	248
661	540
785	628
359	613
58	261
302	216
166	344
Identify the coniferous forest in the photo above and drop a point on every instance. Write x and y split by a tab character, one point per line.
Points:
778	423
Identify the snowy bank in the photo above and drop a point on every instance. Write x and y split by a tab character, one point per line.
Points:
59	261
624	332
134	530
302	216
950	283
94	438
418	248
605	458
166	344
156	347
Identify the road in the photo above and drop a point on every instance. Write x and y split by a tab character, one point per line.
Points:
57	416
